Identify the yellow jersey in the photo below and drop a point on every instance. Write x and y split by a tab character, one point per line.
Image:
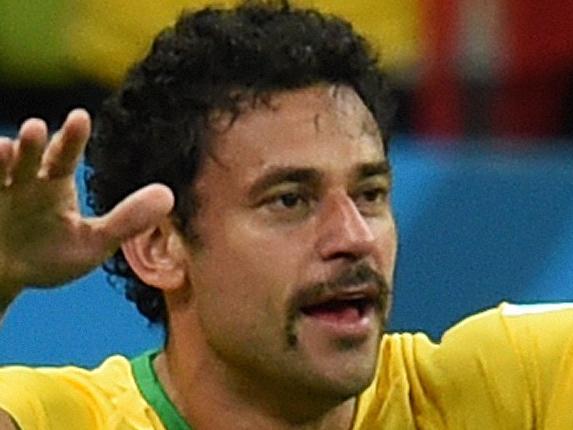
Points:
506	368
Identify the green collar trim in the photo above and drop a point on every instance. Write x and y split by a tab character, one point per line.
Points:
152	391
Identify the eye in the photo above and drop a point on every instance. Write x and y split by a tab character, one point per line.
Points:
371	201
374	195
290	200
288	205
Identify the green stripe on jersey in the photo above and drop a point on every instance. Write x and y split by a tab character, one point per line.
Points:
153	393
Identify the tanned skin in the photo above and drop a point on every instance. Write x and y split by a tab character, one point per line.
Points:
38	194
302	204
6	423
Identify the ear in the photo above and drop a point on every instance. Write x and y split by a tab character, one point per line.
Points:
157	255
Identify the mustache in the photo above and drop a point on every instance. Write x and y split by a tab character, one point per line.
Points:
356	275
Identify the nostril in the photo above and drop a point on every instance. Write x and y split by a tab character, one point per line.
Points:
345	255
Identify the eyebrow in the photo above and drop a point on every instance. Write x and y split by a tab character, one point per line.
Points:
380	168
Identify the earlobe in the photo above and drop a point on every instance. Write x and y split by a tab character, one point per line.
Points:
157	256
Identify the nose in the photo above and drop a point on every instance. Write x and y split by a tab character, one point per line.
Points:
343	232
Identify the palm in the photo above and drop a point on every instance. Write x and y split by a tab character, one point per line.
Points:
44	240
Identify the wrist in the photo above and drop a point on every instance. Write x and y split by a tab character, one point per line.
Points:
8	293
4	302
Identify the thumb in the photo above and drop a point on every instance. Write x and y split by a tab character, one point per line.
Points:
142	209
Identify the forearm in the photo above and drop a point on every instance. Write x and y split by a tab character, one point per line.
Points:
5	300
9	287
6	422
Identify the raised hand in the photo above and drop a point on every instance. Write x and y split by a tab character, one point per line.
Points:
44	240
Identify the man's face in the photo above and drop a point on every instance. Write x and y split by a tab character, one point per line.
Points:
290	285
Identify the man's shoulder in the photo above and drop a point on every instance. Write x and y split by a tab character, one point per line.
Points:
547	323
545	328
114	369
486	369
507	365
45	397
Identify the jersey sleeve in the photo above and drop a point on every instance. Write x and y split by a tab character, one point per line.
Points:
36	400
71	397
508	368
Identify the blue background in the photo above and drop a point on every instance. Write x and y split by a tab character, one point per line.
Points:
477	227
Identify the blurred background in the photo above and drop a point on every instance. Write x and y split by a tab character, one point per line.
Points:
483	153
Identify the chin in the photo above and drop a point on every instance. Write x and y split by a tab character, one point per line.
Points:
353	384
344	380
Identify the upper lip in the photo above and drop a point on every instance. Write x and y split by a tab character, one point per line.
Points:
368	291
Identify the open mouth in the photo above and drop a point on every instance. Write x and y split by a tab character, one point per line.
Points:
349	310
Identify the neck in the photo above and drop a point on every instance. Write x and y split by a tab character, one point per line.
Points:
211	396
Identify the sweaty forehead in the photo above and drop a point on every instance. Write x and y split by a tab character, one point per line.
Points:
292	121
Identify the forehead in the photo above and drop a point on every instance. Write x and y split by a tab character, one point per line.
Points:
319	127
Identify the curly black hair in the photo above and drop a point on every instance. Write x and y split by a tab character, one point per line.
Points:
155	127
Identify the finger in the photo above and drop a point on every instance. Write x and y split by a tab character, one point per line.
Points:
28	151
139	211
6	147
64	151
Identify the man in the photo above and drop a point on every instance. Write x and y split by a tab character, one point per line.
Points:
242	168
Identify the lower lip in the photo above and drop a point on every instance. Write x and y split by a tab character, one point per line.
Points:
346	323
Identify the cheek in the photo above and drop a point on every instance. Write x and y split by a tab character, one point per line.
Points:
244	286
263	249
387	244
247	264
